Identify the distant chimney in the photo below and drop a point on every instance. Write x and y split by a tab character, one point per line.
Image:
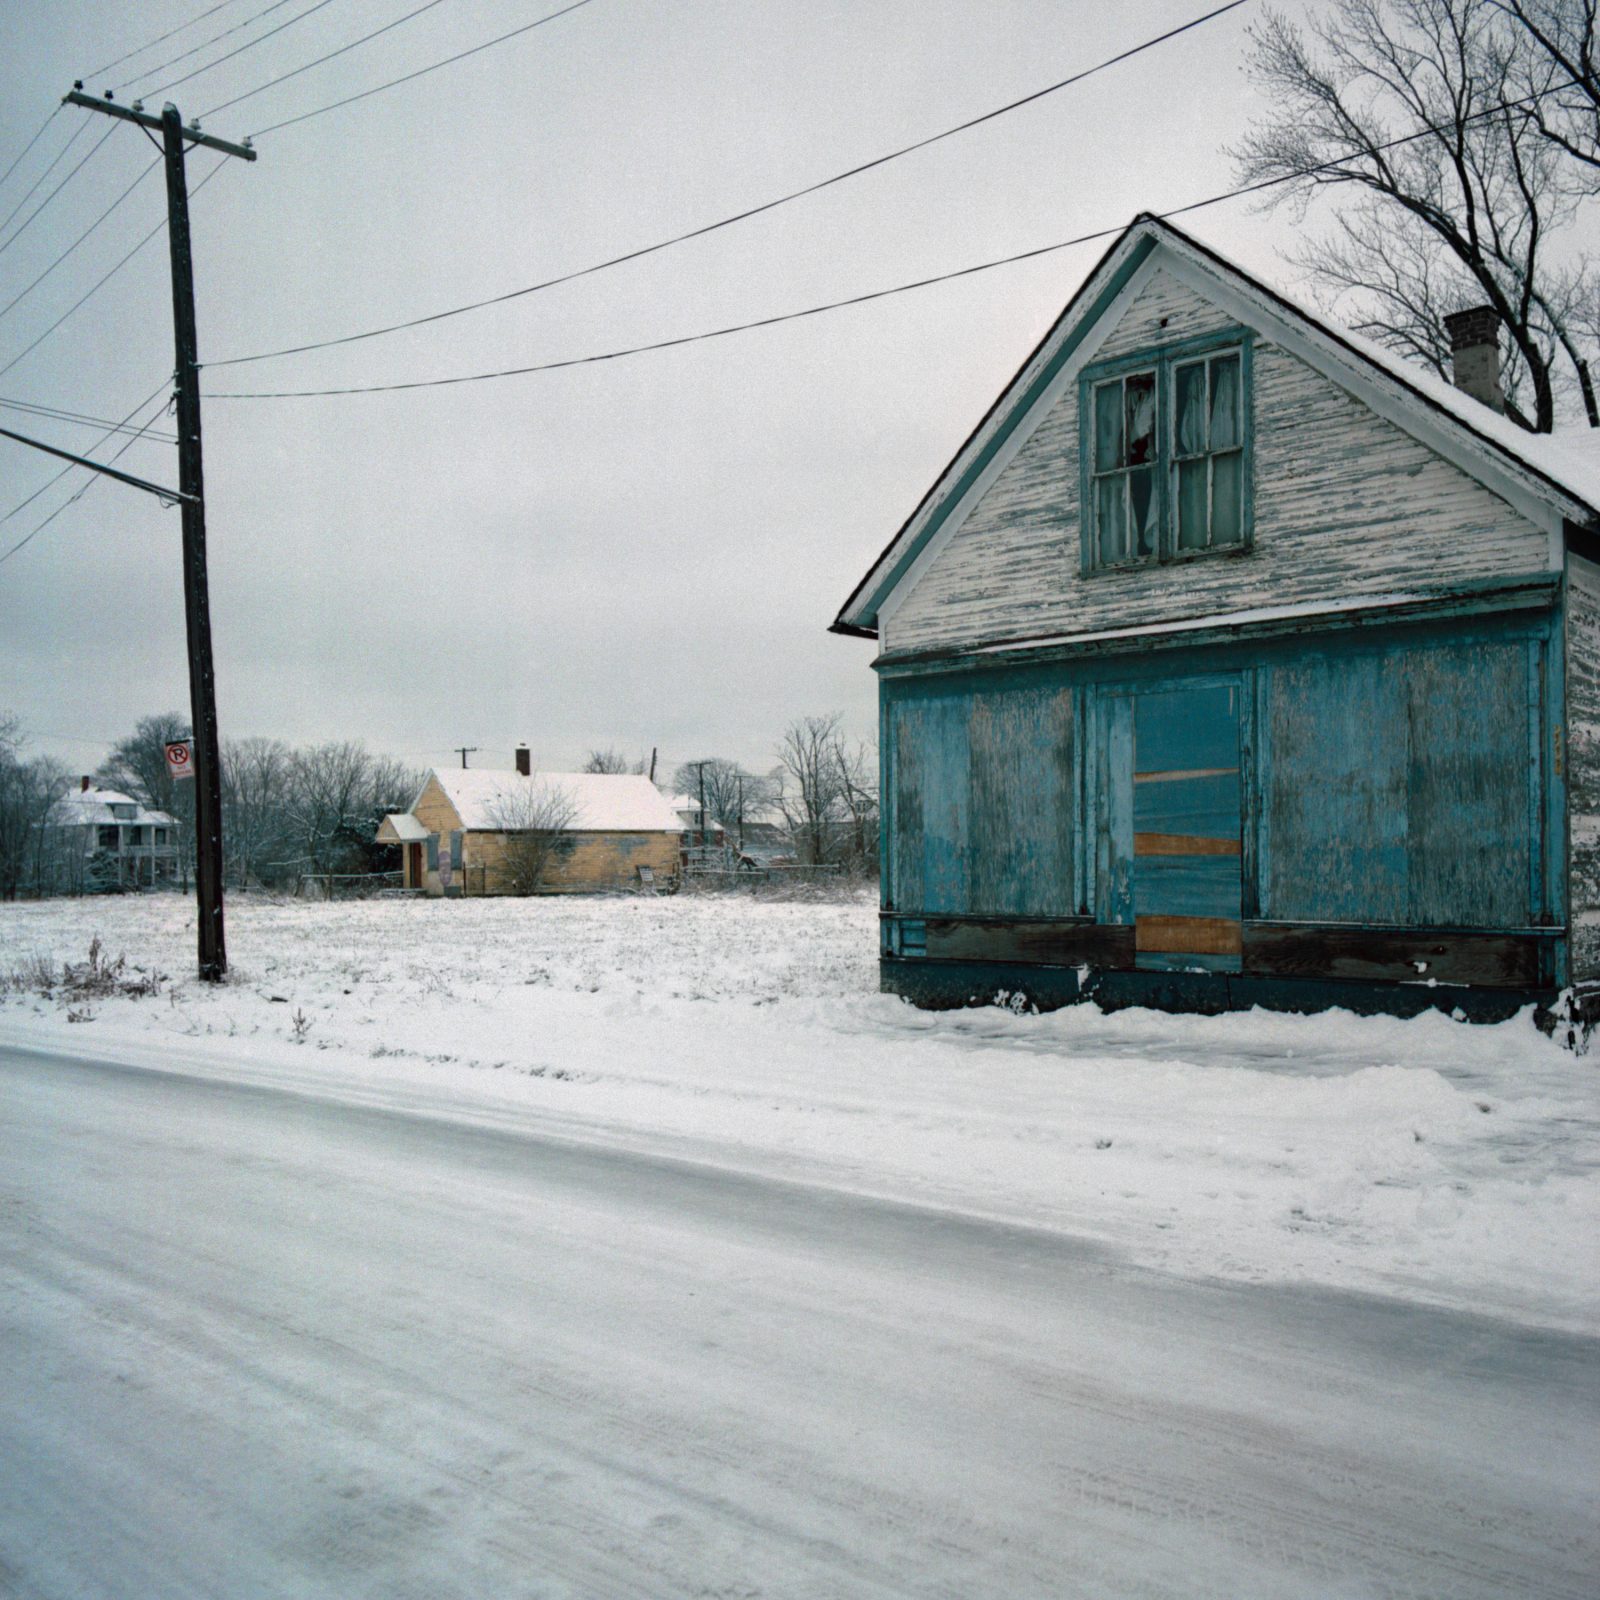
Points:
1475	352
83	787
524	765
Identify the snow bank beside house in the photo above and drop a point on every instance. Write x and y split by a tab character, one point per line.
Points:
1425	1158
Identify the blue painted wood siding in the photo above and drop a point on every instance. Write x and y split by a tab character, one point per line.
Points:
1398	788
1411	780
981	801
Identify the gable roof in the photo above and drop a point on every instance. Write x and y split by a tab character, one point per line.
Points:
1560	471
604	802
93	806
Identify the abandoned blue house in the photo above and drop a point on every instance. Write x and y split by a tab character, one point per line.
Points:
1233	661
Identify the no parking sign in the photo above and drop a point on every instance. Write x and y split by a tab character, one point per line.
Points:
180	758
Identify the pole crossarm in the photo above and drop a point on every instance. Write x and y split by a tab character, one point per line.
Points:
136	113
171	496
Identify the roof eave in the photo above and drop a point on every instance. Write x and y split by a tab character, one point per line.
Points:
1081	312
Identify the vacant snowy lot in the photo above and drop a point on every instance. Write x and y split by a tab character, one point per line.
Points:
1427	1159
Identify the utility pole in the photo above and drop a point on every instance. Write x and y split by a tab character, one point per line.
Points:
466	750
175	139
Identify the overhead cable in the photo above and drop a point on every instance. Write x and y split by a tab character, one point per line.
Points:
22	227
17	298
30	144
205	44
421	72
93	479
106	277
261	88
77	134
738	216
111	431
249	44
56	414
150	44
859	299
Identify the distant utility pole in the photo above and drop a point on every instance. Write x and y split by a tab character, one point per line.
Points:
466	750
197	606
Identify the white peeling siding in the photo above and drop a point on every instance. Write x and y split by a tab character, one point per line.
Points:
1346	505
1583	765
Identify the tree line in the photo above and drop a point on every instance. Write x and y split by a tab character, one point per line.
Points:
289	811
286	810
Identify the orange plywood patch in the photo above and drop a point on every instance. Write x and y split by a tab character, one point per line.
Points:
1182	844
1178	775
1191	936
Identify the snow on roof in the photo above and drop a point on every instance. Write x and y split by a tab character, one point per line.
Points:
403	829
604	802
85	806
1562	469
1569	457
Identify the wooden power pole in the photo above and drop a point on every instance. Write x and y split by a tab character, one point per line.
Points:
191	482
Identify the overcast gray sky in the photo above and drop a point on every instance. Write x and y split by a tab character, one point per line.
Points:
640	552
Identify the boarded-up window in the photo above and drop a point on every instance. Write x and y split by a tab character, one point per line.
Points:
982	797
1398	788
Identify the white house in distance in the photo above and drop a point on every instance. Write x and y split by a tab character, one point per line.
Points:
110	841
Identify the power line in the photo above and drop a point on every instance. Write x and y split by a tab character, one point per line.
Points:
261	88
150	44
739	216
23	294
102	281
29	145
421	72
216	38
23	228
858	299
77	133
56	414
110	432
249	44
73	499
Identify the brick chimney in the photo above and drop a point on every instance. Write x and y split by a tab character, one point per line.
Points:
83	787
1475	352
524	765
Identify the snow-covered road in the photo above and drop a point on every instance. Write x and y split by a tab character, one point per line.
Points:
263	1343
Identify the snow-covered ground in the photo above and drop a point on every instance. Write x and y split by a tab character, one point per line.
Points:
1427	1159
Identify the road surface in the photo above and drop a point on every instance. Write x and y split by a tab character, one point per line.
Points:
258	1343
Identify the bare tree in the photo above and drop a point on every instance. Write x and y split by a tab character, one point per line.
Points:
337	795
256	775
1562	32
809	785
29	790
1438	118
615	763
858	798
728	794
532	817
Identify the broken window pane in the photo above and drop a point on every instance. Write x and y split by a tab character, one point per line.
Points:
1140	388
1226	481
1225	403
1190	432
1192	505
1107	427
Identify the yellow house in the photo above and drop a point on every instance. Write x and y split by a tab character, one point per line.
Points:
483	831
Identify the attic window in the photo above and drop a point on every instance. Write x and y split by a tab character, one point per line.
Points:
1166	453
